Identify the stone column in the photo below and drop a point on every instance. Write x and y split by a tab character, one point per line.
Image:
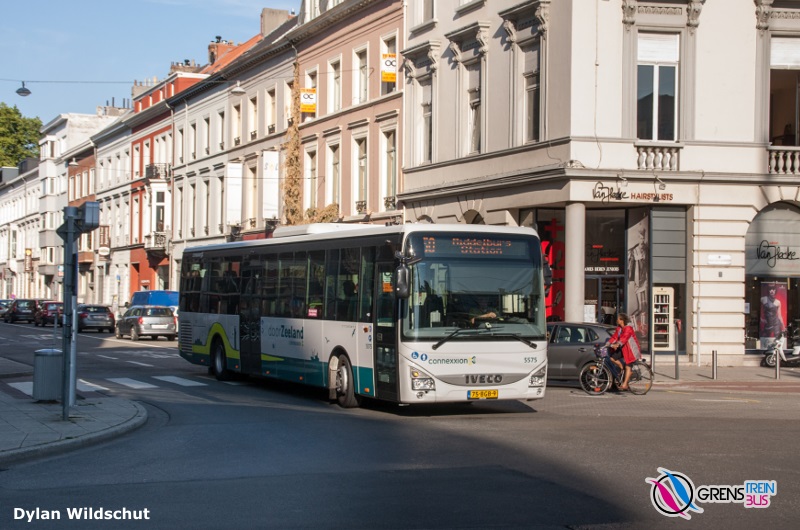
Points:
575	249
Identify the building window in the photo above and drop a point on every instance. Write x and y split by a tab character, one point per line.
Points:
308	99
657	86
253	125
532	100
237	124
335	91
207	134
334	172
362	77
361	171
473	72
426	10
310	188
193	141
221	130
389	169
426	121
272	112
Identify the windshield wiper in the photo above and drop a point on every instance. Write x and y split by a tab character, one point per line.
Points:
451	335
515	336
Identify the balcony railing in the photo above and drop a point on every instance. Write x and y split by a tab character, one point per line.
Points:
155	242
157	171
784	160
660	157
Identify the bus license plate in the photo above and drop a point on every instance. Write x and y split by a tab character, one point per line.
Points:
482	394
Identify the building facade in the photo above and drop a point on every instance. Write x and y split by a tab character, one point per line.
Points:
608	126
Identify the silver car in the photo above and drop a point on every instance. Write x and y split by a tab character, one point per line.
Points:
150	320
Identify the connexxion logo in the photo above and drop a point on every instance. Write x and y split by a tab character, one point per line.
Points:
674	494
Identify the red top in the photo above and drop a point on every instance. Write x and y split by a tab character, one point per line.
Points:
623	335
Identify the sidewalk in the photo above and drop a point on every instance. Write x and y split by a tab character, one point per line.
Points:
30	429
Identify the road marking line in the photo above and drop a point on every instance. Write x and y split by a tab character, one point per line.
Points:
178	380
131	383
140	364
86	386
731	400
107	357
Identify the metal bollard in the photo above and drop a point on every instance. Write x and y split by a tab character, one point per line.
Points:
714	365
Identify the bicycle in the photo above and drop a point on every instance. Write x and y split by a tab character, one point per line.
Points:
596	378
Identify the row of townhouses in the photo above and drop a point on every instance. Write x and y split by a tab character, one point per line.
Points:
653	145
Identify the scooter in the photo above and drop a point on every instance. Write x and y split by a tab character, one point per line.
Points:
775	348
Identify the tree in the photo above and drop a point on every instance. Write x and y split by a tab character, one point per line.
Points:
19	136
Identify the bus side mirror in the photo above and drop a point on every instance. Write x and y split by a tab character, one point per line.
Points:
402	281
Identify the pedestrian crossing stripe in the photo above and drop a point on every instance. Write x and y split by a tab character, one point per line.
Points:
131	383
178	380
26	387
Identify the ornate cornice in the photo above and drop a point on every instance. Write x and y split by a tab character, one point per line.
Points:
428	50
763	14
693	14
628	13
538	9
477	30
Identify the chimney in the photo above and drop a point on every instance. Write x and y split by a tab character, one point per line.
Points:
271	19
217	48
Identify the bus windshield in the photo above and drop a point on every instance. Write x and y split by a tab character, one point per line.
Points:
489	285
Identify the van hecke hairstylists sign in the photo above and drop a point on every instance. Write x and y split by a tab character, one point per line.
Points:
772	245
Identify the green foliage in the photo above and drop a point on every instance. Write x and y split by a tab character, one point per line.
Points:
19	136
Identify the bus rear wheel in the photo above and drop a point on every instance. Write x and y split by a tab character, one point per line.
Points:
219	361
345	387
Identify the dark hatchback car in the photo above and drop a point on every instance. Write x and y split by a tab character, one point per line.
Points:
150	320
21	309
49	312
571	347
92	316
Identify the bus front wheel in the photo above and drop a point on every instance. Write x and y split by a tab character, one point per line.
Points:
219	361
345	387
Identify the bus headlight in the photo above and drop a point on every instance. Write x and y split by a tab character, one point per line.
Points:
421	381
538	377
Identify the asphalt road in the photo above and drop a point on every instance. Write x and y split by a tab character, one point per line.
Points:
258	454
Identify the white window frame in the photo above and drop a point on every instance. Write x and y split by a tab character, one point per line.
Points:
334	85
659	51
360	75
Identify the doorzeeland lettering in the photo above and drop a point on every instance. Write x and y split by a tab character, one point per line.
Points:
285	332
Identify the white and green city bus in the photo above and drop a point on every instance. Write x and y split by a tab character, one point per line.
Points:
396	313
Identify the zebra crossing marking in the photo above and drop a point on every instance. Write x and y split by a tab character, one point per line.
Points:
178	380
131	383
140	364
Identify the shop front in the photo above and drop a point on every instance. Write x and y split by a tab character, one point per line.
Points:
772	278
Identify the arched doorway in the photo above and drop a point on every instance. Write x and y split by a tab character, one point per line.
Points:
772	275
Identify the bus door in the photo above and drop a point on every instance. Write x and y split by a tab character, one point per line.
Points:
385	346
250	318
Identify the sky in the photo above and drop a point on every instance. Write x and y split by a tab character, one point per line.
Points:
76	55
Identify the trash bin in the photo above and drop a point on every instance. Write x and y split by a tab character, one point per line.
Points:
48	370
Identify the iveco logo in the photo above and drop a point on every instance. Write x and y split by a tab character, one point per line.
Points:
483	378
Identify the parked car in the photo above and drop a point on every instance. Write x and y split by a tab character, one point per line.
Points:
150	320
4	305
48	312
571	347
97	317
21	309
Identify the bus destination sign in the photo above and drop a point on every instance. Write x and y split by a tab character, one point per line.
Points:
460	246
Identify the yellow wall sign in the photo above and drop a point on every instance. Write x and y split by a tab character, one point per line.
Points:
308	100
389	67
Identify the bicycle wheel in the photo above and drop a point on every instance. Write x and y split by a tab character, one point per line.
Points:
641	378
595	379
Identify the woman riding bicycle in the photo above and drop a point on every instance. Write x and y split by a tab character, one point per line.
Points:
624	340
